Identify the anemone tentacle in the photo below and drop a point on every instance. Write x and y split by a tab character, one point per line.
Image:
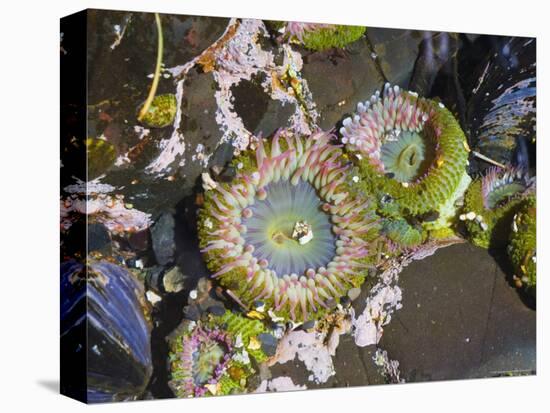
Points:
301	234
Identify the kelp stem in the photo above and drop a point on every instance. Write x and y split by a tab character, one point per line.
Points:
156	77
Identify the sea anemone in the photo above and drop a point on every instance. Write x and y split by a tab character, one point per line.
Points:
412	155
200	358
290	229
522	249
214	357
318	36
491	202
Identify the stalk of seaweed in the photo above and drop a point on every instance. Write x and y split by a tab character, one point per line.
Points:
156	77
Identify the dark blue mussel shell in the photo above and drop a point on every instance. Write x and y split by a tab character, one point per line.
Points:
106	349
502	109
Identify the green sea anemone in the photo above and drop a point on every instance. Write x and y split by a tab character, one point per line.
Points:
318	36
161	112
522	249
289	229
490	204
412	156
215	357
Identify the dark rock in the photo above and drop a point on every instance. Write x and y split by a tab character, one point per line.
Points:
192	312
308	325
99	239
338	86
345	301
162	236
153	278
269	344
139	241
217	310
250	101
466	309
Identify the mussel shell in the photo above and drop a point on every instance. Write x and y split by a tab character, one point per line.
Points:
502	109
114	332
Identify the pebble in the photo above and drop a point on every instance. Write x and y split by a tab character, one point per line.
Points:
354	293
173	281
331	303
162	237
470	215
259	306
269	344
193	295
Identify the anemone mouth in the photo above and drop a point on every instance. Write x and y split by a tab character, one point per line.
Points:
287	231
406	156
202	360
271	229
499	185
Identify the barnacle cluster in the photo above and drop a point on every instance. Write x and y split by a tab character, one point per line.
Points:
412	156
289	229
523	245
490	204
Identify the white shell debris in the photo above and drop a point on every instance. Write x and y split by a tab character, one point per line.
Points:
152	297
207	182
302	232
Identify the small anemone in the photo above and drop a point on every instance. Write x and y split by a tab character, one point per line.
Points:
491	202
201	358
522	248
319	36
214	356
289	230
410	150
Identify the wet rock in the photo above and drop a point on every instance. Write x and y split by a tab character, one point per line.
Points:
468	310
192	312
162	236
269	344
337	85
396	52
99	239
250	101
276	116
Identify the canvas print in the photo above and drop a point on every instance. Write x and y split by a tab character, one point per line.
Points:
255	206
